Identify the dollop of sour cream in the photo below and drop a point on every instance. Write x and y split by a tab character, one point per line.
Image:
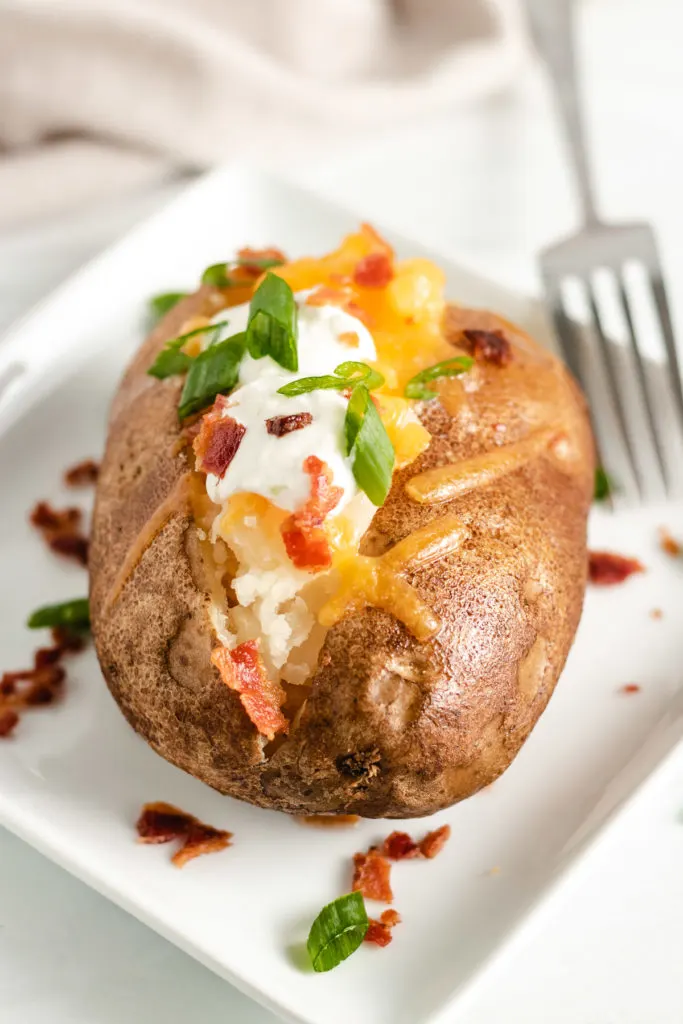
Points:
272	466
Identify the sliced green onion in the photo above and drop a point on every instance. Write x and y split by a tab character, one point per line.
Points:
219	274
72	614
368	445
159	305
337	931
272	329
172	361
416	386
214	372
347	376
603	485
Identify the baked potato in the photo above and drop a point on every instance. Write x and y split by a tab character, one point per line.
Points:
348	596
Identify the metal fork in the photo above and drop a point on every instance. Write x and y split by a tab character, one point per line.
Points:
610	248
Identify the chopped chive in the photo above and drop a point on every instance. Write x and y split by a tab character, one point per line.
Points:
172	361
220	274
215	371
369	446
417	386
603	485
347	375
159	305
337	931
72	614
272	329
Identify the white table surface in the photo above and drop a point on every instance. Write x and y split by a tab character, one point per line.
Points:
487	187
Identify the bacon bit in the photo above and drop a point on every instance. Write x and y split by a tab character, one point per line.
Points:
668	543
371	876
82	474
38	685
325	295
390	917
630	688
75	547
399	846
201	839
61	530
606	568
162	823
379	932
65	640
376	239
248	258
243	671
342	297
8	722
434	842
305	540
329	820
349	338
217	442
278	426
489	347
374	271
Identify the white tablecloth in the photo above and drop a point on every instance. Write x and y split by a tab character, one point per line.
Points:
487	187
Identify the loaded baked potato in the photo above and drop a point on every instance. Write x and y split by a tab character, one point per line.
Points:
338	552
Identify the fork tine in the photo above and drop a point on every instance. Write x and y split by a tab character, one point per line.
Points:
664	312
642	380
566	332
611	374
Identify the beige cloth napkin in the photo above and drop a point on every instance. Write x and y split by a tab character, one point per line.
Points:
100	96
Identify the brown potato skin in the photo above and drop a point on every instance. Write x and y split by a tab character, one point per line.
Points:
393	727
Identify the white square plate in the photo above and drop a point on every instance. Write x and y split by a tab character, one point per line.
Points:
73	778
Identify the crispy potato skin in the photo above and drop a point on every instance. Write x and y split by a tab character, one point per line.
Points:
393	727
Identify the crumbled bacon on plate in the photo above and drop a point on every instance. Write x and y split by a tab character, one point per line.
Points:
61	530
302	532
488	346
8	720
668	543
629	688
605	568
400	846
217	442
371	875
278	426
374	270
162	823
82	474
379	932
242	669
38	685
434	842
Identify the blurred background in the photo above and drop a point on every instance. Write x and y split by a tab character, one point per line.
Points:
431	116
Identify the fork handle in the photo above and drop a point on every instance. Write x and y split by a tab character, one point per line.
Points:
552	30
